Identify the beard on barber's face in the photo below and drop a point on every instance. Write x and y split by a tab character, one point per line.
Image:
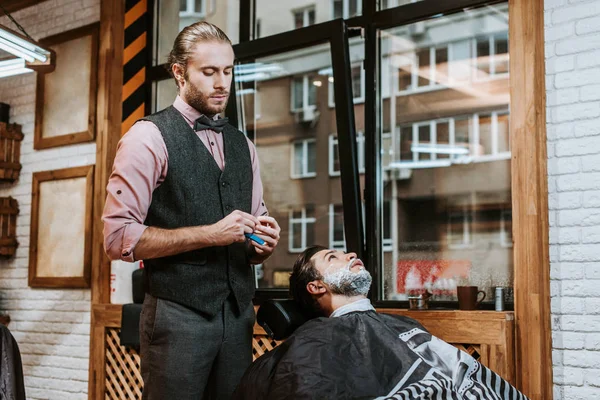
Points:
347	283
201	101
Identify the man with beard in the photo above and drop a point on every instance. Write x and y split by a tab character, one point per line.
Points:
184	192
353	352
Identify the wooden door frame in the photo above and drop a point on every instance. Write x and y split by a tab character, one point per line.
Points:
530	198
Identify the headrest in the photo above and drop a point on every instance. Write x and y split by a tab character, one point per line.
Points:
280	318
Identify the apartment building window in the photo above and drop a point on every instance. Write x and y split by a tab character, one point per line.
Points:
192	8
336	227
334	155
477	137
438	67
358	85
304	17
491	56
388	242
302	229
304	92
304	159
459	229
346	8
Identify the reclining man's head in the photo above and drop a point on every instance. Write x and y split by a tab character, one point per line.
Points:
323	280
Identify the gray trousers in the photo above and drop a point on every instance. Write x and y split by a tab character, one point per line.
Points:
187	355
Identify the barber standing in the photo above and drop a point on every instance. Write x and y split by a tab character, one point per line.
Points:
184	190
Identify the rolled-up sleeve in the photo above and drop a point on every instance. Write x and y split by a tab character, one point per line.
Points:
140	167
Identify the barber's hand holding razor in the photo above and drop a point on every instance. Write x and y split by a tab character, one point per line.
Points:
268	230
232	228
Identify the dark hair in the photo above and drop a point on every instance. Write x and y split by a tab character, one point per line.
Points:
304	271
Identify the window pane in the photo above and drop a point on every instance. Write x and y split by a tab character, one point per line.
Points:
441	66
298	90
272	14
424	69
313	83
336	157
501	54
284	137
172	17
312	158
199	6
503	142
338	9
443	140
338	223
483	57
450	197
485	135
299	19
356	82
383	4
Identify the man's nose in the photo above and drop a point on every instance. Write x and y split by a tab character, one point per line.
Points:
219	81
350	256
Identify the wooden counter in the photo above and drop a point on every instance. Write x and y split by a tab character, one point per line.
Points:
486	335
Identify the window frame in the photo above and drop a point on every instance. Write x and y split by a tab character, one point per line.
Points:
303	221
306	87
357	100
305	16
191	5
305	158
333	144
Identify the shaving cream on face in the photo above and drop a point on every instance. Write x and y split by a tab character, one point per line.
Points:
346	282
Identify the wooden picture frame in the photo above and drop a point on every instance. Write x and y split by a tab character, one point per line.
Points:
59	94
61	228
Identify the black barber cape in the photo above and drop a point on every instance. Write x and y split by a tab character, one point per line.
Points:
367	355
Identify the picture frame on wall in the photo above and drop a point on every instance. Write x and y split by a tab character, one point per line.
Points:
65	103
60	250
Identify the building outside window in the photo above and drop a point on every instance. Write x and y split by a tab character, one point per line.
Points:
358	85
346	8
336	227
304	159
304	92
334	156
304	17
302	229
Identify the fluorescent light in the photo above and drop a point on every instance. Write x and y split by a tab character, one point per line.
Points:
37	57
13	67
438	149
420	164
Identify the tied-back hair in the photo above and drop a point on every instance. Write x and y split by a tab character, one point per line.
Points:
187	39
304	271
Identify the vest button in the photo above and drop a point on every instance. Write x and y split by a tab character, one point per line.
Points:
224	184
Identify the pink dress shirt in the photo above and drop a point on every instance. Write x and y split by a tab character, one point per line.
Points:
140	167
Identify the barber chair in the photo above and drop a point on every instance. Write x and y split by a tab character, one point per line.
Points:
130	318
280	318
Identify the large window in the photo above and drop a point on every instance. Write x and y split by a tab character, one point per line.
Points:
445	144
447	164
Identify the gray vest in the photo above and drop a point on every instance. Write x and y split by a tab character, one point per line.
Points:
196	192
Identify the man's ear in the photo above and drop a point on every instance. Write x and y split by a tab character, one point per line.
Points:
316	287
178	73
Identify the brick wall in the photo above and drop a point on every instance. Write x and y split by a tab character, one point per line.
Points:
573	126
51	326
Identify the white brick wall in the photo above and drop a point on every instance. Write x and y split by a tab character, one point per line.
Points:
573	118
51	326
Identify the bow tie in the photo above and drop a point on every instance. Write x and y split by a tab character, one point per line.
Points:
208	123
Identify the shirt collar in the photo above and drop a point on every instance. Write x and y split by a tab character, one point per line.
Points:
358	305
189	113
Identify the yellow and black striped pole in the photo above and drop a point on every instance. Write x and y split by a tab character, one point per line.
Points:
134	62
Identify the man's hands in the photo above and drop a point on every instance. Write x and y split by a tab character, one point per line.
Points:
231	229
268	230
